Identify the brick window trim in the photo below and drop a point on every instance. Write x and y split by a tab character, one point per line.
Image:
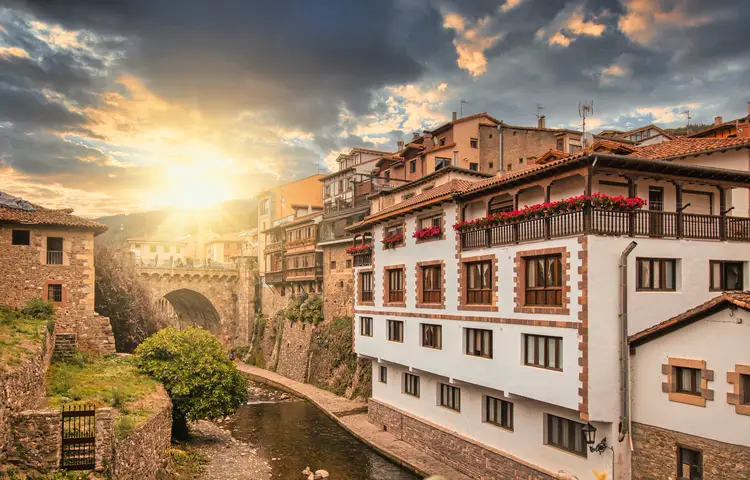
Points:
670	386
359	287
420	281
442	226
45	292
519	280
734	396
386	289
463	290
403	230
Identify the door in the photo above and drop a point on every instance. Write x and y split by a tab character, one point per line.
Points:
656	206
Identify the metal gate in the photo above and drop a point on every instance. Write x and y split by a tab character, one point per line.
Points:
78	437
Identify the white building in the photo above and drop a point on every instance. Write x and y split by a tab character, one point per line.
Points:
157	253
494	347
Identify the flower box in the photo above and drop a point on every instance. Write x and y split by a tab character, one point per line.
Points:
359	249
429	232
393	241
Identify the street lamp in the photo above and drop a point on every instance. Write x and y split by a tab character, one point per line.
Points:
589	432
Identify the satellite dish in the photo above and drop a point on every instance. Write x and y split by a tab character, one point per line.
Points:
587	140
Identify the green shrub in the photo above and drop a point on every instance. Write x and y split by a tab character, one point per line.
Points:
311	310
292	310
38	308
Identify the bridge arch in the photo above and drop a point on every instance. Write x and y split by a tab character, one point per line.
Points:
190	308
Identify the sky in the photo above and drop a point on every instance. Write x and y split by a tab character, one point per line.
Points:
118	107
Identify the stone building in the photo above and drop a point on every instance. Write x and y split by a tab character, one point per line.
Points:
49	253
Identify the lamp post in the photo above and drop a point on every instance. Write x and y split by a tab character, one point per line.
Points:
589	431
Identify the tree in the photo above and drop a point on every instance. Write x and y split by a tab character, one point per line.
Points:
121	296
196	372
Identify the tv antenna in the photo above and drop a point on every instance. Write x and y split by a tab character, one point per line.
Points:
585	110
687	114
539	109
461	107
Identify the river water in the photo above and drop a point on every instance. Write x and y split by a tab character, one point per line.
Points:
291	434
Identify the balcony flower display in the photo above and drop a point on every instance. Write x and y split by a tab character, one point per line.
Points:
428	232
358	249
392	241
541	210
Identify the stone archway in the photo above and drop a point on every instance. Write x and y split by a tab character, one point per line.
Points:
191	308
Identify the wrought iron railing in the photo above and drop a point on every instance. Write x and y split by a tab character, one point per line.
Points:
362	259
54	257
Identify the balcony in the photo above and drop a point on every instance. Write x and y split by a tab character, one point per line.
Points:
362	259
54	257
276	246
302	274
597	221
274	277
302	242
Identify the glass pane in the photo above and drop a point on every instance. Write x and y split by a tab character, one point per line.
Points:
485	275
540	272
565	434
686	379
530	275
472	280
540	348
716	276
529	349
734	275
552	344
555	431
657	275
669	282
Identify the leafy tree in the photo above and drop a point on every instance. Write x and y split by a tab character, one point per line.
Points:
292	310
311	310
195	369
121	296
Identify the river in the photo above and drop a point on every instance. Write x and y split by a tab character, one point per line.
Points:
291	434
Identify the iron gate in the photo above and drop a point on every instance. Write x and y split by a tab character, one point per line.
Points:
78	437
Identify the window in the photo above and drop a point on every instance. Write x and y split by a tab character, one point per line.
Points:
498	412
407	196
383	374
450	397
442	141
411	384
54	251
745	389
152	248
560	144
395	285
491	164
55	292
726	275
544	280
394	230
365	286
365	326
21	237
689	464
656	274
474	143
688	380
544	352
432	221
441	162
478	283
328	190
179	249
478	342
432	336
574	149
348	263
565	434
473	166
333	264
413	166
395	331
432	284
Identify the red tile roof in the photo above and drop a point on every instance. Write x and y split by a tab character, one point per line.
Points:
551	154
611	146
688	146
647	127
740	299
49	217
439	147
466	119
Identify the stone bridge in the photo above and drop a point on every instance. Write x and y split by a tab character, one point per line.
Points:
220	300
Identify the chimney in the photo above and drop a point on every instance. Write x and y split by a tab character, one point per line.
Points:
400	145
542	122
455	116
718	121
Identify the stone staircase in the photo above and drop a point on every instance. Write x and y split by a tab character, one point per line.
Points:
66	345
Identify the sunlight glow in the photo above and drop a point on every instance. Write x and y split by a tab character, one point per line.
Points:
191	186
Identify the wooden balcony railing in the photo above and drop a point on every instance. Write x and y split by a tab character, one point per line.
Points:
274	246
274	277
647	223
303	273
362	259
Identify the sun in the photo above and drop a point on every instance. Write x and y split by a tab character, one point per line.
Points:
191	187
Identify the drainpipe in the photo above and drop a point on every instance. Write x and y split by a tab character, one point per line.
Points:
624	350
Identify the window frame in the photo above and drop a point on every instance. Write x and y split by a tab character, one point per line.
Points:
471	335
663	265
433	273
546	364
52	257
546	289
437	335
395	331
449	396
55	291
413	166
383	374
14	240
395	277
695	381
366	296
411	385
723	275
474	142
484	291
500	407
365	326
558	443
744	396
692	475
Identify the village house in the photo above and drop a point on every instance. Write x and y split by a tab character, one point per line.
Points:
739	127
502	347
149	252
49	254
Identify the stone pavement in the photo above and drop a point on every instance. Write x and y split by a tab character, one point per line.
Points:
352	416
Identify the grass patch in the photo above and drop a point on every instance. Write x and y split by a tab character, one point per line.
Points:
185	462
20	336
109	381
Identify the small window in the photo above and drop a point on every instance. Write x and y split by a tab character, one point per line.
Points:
348	263
394	230
544	280
726	275
383	374
55	292
479	283
431	221
478	342
656	274
491	165
474	143
395	331
365	286
54	251
152	248
560	145
407	196
689	464
520	161
333	264
566	435
543	352
498	412
387	176
413	166
365	326
441	163
442	141
432	336
411	384
473	167
432	280
21	237
395	285
137	246
745	389
688	380
450	397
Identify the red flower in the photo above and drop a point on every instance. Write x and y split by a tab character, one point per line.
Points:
428	232
355	249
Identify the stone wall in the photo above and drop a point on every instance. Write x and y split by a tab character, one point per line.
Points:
655	455
26	275
22	387
143	453
526	144
465	455
293	354
338	282
272	300
36	439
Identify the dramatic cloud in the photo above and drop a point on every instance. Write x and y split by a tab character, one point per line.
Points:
471	42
